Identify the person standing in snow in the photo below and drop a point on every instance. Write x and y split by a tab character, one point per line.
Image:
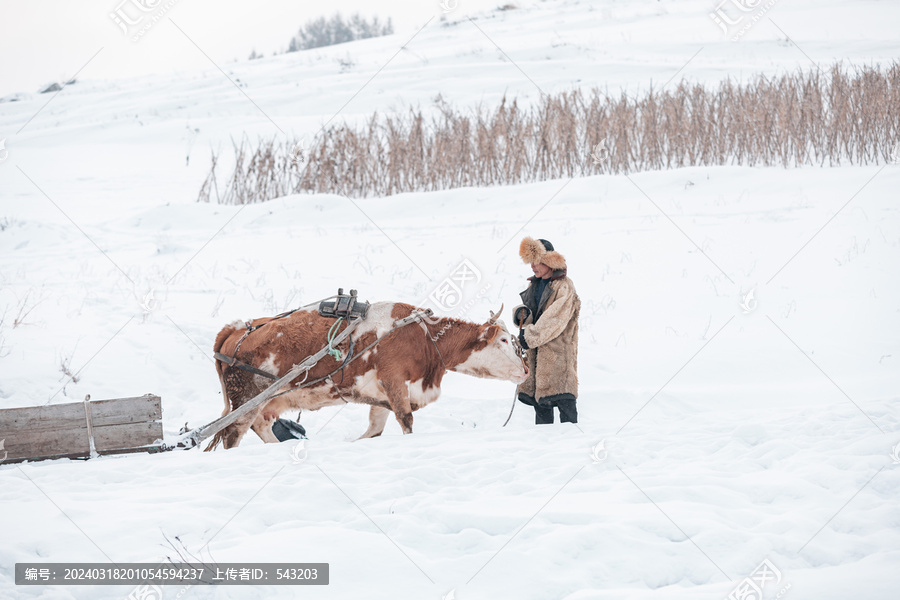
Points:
548	331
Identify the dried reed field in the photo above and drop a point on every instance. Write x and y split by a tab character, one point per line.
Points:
817	117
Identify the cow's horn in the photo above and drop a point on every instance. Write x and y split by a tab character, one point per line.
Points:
494	317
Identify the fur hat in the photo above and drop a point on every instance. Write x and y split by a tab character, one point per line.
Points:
541	251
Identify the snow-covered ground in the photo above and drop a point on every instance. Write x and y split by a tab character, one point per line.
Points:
740	330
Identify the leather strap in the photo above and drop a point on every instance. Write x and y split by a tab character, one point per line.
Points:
233	362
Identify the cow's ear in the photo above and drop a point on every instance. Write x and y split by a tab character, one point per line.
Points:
490	333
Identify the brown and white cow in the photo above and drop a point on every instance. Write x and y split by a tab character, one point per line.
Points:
401	374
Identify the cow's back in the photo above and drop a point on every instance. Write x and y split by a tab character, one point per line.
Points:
280	343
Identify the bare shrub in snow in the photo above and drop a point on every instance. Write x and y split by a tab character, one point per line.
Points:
65	363
4	349
803	118
27	304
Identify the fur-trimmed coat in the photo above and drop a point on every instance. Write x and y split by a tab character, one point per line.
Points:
553	340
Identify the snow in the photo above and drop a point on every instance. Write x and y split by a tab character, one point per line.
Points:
734	428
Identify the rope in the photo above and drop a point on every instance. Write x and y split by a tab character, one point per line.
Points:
523	355
433	343
515	399
332	333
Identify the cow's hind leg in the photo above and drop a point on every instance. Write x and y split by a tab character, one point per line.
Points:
234	433
377	419
231	436
237	387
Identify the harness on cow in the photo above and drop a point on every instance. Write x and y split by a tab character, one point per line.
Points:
343	307
417	316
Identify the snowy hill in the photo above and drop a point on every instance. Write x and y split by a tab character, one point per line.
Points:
740	330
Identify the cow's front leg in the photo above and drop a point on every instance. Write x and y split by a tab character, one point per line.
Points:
263	426
398	396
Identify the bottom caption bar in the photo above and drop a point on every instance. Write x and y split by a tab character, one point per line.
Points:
172	574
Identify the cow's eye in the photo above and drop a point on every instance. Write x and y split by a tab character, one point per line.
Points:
504	340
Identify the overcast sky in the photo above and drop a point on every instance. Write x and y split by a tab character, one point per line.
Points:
50	40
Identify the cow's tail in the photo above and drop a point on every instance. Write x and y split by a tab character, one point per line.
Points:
220	369
215	441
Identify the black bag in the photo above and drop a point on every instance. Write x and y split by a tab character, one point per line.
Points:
286	430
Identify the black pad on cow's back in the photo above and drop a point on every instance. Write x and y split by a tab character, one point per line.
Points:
346	306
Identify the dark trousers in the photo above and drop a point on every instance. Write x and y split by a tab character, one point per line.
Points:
568	413
543	413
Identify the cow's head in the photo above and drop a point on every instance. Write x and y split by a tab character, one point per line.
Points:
495	353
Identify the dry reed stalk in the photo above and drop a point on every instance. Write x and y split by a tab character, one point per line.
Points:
801	118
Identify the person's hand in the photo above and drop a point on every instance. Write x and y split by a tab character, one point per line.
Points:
520	315
522	341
